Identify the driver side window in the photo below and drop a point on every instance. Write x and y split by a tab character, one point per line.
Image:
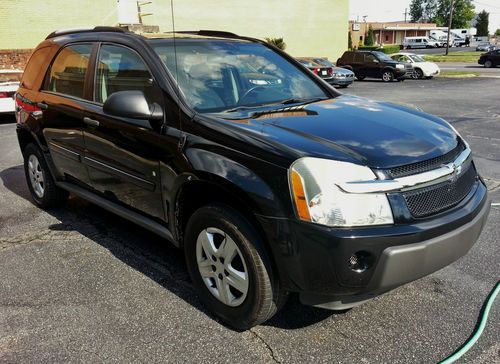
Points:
120	69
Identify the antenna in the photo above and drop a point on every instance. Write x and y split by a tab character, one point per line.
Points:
175	59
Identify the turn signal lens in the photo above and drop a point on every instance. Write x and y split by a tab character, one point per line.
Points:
299	196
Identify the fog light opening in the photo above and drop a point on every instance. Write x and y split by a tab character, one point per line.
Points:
360	261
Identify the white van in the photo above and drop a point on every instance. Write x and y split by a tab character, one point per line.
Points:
420	42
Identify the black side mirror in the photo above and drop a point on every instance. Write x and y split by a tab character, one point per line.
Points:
132	104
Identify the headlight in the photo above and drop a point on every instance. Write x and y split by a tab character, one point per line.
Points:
318	199
400	66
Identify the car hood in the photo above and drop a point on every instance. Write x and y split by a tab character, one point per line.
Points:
376	134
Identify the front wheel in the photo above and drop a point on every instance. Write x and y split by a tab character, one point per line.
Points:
230	268
360	77
488	64
42	186
387	76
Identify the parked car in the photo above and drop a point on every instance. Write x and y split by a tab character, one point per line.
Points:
9	82
490	59
326	73
341	77
420	42
268	190
421	67
485	47
374	64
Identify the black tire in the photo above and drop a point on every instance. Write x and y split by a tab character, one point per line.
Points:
419	74
360	77
488	64
263	298
387	76
52	195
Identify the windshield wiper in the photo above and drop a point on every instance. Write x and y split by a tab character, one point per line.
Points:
240	108
302	100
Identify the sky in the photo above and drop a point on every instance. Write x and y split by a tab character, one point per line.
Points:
392	10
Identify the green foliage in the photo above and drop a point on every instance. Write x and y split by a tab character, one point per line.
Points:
416	10
349	40
497	32
463	13
370	37
387	48
438	11
277	42
483	21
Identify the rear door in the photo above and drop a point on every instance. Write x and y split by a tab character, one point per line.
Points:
122	154
62	101
372	65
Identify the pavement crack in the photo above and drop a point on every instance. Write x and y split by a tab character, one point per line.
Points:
266	345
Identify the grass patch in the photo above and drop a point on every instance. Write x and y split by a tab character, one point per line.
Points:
470	57
459	74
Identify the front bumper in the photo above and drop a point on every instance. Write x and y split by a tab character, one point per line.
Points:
313	259
341	81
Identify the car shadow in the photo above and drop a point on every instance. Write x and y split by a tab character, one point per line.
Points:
145	252
7	118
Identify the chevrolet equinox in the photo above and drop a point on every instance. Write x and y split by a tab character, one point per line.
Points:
269	179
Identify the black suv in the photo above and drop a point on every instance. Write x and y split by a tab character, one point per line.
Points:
269	180
374	64
490	59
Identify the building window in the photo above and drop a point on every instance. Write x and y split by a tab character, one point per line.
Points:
361	38
386	38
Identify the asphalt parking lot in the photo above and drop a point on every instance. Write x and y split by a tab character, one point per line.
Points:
78	284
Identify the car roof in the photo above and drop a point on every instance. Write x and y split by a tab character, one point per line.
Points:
193	34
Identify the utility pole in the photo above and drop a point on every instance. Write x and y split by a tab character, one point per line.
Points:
449	27
406	13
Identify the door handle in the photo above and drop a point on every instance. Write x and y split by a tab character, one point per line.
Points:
90	122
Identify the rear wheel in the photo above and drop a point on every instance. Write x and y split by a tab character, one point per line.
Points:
42	186
418	74
360	77
387	76
230	268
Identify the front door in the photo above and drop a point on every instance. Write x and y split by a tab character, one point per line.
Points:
122	154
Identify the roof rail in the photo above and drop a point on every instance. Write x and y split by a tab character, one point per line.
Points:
210	33
86	29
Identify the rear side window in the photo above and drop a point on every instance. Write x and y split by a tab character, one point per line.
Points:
67	74
121	69
36	64
358	57
348	57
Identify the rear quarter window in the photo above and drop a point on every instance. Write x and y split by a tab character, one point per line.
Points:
36	67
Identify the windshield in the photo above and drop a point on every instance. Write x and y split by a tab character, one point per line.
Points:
382	56
416	58
219	75
323	62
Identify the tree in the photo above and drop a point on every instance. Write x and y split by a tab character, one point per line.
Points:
483	21
349	40
463	13
497	32
438	11
416	10
277	42
370	37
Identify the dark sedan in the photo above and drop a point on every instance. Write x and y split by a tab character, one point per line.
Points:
490	59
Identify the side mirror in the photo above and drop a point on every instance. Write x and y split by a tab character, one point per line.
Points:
133	105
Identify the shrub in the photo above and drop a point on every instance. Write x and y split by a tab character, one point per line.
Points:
277	42
388	49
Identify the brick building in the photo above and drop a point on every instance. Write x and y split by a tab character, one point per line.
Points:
388	32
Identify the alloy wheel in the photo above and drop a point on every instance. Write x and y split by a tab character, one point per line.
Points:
222	266
36	175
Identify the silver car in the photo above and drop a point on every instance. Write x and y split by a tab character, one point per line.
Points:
485	47
342	77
